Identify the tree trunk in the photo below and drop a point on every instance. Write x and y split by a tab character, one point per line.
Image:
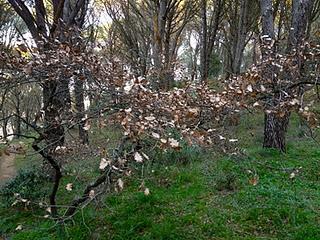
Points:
209	30
63	92
17	122
17	126
194	65
275	126
53	128
204	42
275	130
159	23
79	97
240	43
301	11
5	129
53	105
267	18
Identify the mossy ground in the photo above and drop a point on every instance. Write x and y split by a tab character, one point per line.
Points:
253	196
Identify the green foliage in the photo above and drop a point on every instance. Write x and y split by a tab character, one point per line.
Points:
186	154
215	66
29	184
209	196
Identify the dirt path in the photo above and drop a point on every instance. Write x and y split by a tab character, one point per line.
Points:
7	168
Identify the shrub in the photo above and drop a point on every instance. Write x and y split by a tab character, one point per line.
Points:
28	184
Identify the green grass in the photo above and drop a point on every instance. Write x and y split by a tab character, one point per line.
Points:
208	197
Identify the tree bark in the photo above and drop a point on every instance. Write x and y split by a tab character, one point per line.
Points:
275	125
209	29
53	106
56	94
159	23
213	30
17	121
204	45
63	93
23	11
241	18
275	130
168	20
5	127
301	11
79	96
267	18
240	43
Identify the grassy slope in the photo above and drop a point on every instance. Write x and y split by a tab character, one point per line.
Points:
208	198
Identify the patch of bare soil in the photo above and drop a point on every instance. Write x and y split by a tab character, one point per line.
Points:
7	161
7	167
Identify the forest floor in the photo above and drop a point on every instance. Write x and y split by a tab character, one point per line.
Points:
7	167
194	194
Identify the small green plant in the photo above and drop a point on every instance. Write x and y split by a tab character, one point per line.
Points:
28	184
184	155
227	182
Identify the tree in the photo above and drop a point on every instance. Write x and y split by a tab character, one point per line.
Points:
67	18
11	26
129	26
241	20
191	48
276	123
209	30
158	35
169	19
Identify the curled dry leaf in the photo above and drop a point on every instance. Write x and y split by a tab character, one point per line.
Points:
23	48
256	104
120	184
28	69
128	87
138	157
155	135
193	110
294	102
62	148
222	137
150	118
104	163
129	110
87	126
91	194
145	156
146	192
19	228
69	187
254	181
164	141
173	143
48	209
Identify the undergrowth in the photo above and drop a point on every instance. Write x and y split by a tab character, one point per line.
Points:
196	194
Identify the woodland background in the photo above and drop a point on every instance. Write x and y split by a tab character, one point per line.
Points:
159	119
